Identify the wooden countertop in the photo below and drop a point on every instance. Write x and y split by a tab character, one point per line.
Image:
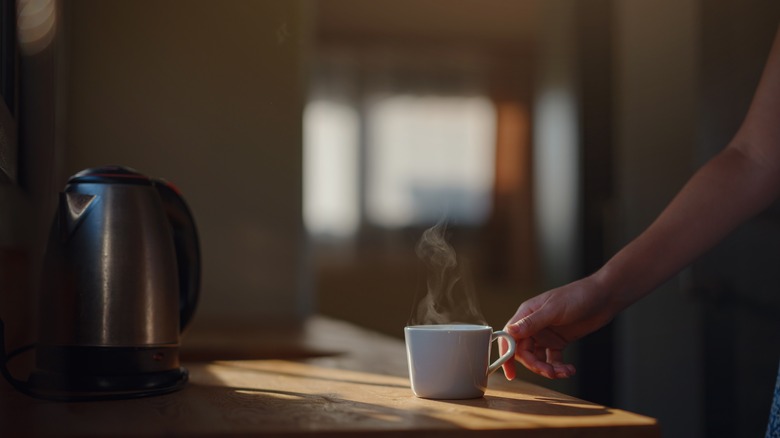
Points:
333	379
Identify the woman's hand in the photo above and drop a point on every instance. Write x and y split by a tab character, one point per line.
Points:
544	325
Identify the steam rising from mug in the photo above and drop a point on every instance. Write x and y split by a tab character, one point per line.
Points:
450	298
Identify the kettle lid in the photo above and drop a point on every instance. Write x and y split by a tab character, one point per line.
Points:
110	175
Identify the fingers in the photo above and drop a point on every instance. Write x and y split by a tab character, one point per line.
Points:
508	366
509	370
546	362
527	354
529	325
516	331
539	344
561	370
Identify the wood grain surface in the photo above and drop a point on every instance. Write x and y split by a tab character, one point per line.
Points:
329	395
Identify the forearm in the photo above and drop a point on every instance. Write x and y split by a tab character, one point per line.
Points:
736	184
729	189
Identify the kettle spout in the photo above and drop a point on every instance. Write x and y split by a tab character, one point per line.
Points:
73	208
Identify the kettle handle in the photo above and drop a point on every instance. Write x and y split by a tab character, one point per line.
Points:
185	238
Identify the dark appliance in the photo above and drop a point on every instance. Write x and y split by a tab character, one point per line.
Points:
120	282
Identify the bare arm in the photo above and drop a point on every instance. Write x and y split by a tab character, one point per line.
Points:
736	184
733	186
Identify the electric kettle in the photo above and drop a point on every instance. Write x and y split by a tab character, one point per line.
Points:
121	281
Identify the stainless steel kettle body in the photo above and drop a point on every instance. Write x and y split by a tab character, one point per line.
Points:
121	280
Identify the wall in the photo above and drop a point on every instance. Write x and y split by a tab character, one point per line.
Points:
692	354
658	340
26	206
737	282
209	96
557	144
379	269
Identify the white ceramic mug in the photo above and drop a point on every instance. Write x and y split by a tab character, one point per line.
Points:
452	361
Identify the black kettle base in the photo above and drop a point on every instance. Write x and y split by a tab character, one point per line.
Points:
82	387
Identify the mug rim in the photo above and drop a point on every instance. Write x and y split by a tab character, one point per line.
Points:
448	327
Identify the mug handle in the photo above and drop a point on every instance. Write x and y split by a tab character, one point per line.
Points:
506	356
